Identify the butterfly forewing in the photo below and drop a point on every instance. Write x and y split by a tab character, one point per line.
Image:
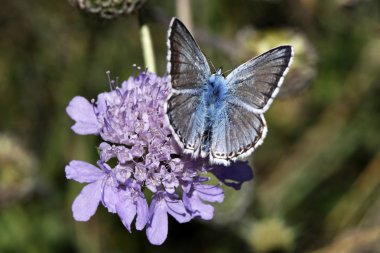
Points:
187	65
254	84
188	70
236	133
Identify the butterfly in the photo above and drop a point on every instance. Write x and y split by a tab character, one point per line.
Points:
216	116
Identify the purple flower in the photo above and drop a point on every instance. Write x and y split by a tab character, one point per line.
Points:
145	158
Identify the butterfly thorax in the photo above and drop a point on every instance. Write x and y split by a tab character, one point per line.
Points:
214	95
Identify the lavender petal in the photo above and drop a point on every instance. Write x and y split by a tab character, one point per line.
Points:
177	209
157	230
210	193
198	207
127	212
110	197
82	112
101	102
83	172
105	152
142	213
87	201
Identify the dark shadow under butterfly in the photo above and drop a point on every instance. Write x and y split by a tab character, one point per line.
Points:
216	116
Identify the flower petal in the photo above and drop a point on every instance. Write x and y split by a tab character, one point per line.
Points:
234	175
195	204
127	212
157	230
83	172
210	193
87	201
105	152
142	213
110	197
178	210
82	111
101	103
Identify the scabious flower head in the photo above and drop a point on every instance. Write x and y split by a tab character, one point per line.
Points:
108	8
138	155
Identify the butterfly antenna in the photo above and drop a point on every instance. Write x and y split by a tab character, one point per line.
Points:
227	71
212	65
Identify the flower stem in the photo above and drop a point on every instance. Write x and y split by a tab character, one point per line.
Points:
183	9
146	44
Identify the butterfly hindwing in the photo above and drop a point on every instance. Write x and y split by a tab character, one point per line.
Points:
187	115
187	65
254	84
236	133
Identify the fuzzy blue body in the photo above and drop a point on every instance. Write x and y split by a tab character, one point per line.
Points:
214	95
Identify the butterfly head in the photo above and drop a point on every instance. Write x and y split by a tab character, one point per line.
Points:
216	79
215	89
217	76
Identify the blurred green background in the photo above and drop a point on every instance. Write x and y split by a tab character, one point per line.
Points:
317	175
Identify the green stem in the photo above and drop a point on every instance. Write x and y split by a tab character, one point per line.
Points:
146	44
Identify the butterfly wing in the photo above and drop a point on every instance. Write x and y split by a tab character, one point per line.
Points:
187	114
187	65
240	126
236	133
188	71
254	84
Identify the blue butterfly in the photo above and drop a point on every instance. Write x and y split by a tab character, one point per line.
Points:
216	116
